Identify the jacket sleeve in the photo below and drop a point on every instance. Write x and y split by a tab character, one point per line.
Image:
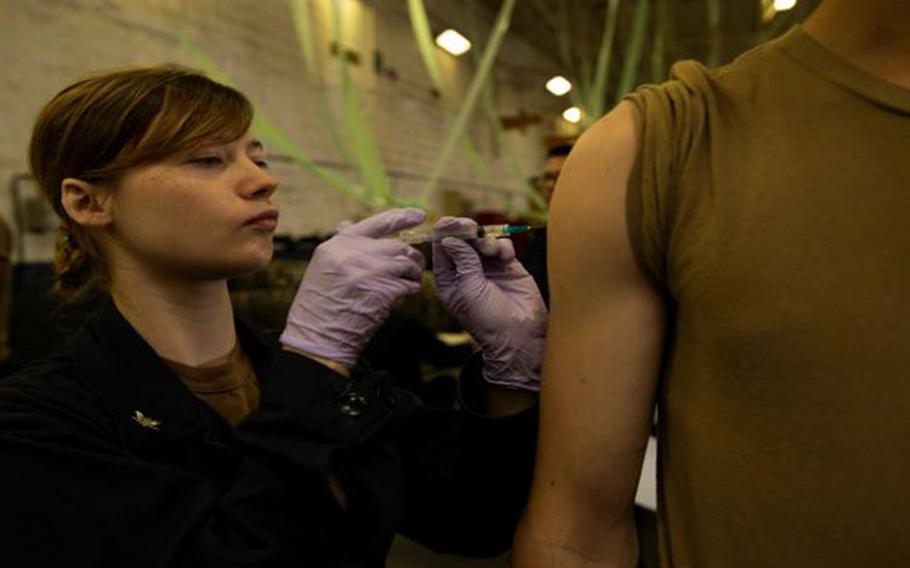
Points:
467	475
72	495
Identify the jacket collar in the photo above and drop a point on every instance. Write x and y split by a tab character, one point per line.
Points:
148	402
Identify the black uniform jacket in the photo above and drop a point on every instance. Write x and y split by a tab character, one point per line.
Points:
106	460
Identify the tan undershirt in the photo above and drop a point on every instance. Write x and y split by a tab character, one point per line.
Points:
228	384
770	202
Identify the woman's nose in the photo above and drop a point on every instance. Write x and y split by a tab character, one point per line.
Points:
266	189
262	185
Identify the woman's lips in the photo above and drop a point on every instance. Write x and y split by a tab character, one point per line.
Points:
265	224
266	221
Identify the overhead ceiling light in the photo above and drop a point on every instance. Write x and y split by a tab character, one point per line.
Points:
783	5
559	85
453	42
572	114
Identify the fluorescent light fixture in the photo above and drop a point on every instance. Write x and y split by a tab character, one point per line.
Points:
572	114
559	85
453	42
783	5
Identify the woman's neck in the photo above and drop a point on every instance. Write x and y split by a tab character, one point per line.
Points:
189	322
872	34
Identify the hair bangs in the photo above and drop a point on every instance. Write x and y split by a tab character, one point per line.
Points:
195	112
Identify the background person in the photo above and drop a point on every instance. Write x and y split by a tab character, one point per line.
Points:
535	253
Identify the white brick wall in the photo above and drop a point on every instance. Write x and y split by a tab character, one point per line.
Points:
46	44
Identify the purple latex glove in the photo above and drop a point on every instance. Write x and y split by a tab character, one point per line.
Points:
496	300
350	285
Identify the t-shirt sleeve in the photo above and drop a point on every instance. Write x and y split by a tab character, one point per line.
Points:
670	122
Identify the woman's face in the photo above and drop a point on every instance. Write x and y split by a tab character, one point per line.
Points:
208	215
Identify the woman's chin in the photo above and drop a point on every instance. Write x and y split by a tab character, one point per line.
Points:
257	258
239	263
261	260
239	268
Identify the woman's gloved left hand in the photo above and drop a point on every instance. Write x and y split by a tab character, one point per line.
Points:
350	285
496	301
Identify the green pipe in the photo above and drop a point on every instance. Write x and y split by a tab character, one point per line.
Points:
565	54
420	23
500	27
659	46
488	100
300	15
363	147
301	18
275	137
714	33
629	76
597	95
272	135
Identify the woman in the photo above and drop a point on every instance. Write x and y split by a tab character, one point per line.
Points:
167	433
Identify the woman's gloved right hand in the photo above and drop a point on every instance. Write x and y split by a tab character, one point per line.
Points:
496	300
350	285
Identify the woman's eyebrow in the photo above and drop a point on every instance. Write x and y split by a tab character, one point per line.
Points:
255	145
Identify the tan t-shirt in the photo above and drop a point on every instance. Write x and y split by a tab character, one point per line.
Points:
227	384
771	202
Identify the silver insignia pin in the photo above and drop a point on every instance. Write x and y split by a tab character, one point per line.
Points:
146	421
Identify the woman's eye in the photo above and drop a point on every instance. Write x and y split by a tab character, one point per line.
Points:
207	161
262	164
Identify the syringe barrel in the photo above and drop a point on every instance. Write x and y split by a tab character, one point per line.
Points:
417	236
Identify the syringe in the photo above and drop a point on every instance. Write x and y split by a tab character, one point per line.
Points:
418	236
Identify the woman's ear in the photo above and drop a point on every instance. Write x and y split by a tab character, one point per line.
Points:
87	204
